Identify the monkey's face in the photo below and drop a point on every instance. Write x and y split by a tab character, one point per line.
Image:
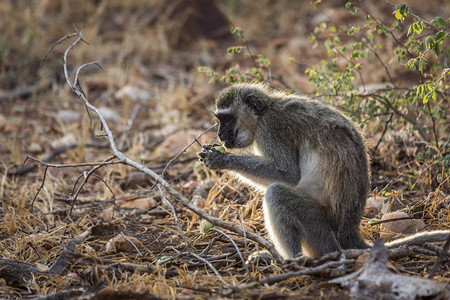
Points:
233	132
239	109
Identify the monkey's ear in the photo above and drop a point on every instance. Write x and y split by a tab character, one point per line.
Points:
254	103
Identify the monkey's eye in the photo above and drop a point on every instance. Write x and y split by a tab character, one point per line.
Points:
226	118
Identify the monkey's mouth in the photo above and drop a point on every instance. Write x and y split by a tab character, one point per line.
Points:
230	140
229	144
239	139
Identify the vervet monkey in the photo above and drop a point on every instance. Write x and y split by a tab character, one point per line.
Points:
309	159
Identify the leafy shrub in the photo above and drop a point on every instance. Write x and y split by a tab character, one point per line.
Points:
423	105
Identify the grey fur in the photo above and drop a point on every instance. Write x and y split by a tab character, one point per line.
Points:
309	159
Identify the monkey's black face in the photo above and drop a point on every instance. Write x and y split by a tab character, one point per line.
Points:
227	131
230	134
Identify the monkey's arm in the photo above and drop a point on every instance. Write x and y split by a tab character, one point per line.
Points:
263	170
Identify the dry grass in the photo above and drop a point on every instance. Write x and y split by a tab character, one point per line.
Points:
138	49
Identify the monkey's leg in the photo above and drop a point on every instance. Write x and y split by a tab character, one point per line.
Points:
294	223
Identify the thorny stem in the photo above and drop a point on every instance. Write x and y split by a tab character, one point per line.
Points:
184	150
40	188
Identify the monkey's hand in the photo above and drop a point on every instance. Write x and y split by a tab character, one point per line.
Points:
213	158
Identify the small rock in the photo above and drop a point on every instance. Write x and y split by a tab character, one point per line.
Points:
68	139
109	114
142	203
410	226
133	93
67	115
35	148
374	204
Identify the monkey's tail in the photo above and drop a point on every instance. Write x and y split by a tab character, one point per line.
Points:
420	238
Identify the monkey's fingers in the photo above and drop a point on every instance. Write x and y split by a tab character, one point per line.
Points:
211	148
202	155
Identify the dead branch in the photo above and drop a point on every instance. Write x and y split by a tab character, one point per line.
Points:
86	178
126	160
375	281
314	271
66	255
17	273
45	161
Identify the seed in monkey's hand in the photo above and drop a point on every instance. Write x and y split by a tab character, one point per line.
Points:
214	147
220	148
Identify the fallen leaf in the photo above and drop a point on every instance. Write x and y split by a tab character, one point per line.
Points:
121	243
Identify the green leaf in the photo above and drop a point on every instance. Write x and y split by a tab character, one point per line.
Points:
206	226
422	65
400	11
439	22
411	30
429	41
237	30
439	36
398	15
416	27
